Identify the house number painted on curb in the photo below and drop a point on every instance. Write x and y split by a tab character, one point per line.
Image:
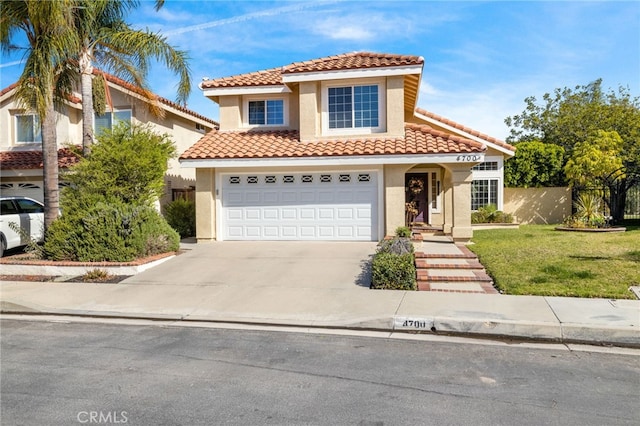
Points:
412	323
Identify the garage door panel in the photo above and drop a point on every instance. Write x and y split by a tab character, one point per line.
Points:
270	197
289	213
271	231
252	214
270	213
300	206
307	213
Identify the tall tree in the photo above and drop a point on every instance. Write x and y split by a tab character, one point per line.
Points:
535	164
111	44
571	116
47	26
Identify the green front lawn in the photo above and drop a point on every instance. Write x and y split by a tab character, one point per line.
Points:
538	260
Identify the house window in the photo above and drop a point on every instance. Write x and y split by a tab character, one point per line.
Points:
266	112
28	128
435	191
484	192
486	166
110	119
353	107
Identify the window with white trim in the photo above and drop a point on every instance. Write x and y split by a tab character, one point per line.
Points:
353	107
269	112
258	112
28	128
484	192
487	183
110	119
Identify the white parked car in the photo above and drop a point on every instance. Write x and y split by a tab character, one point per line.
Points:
26	213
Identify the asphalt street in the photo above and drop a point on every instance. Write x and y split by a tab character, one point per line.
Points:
59	373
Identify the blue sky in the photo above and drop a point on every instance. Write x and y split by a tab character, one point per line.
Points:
481	58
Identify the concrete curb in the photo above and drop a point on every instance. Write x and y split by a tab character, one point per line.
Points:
464	327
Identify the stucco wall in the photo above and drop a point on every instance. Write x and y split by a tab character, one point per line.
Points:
538	205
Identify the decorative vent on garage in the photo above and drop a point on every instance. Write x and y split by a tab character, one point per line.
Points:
269	179
67	184
307	178
234	179
288	179
252	179
6	185
345	178
364	177
325	178
28	186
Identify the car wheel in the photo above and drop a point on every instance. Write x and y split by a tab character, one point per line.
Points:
3	246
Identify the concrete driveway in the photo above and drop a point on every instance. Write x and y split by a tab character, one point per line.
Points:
288	264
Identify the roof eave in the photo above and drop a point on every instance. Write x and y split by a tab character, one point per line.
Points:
466	135
338	160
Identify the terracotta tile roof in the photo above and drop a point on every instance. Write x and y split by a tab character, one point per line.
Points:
14	160
270	77
419	139
120	82
273	76
355	60
9	88
465	129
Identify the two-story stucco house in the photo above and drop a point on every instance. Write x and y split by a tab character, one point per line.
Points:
21	143
336	149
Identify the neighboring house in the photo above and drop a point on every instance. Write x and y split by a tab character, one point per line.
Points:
327	149
21	142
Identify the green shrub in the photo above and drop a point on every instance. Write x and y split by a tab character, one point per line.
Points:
96	275
490	214
181	215
403	231
588	213
115	232
393	272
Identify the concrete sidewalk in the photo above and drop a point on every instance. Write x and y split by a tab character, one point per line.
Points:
593	321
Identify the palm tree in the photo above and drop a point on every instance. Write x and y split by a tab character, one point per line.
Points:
110	43
47	27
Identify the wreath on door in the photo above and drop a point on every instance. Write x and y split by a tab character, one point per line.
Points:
414	187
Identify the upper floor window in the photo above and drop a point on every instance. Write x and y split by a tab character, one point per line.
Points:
28	128
353	107
110	119
268	112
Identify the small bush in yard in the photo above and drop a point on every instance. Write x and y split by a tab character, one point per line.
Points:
393	267
181	215
403	232
490	214
109	232
96	275
393	272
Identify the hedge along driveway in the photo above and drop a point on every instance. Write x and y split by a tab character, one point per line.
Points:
538	260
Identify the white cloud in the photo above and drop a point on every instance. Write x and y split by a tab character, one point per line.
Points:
343	29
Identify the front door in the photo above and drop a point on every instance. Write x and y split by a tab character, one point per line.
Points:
416	185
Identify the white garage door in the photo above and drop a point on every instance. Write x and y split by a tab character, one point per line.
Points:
23	189
300	206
